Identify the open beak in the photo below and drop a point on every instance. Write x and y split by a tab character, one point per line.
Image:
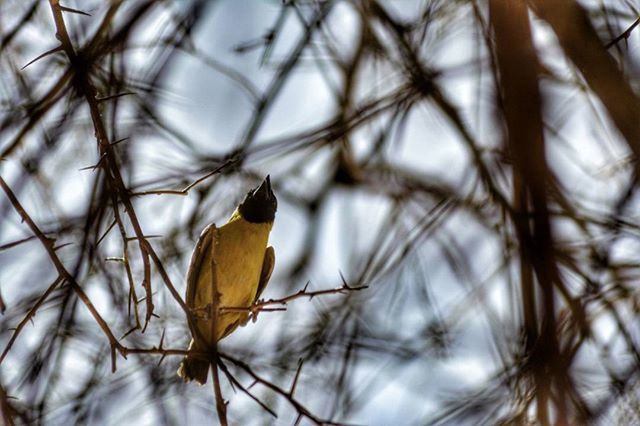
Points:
264	190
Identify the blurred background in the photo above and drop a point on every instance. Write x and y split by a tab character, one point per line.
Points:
472	163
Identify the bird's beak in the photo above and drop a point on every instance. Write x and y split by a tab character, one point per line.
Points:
264	190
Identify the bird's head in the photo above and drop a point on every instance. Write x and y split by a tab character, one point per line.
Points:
260	204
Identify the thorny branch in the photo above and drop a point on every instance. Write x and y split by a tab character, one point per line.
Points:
287	395
63	274
265	305
81	65
386	80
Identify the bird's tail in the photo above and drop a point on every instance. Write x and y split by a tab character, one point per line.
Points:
194	368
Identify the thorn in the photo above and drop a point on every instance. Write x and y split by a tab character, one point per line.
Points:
118	141
295	378
344	282
161	339
304	290
129	332
70	10
95	166
117	95
162	359
62	245
47	53
113	359
143	237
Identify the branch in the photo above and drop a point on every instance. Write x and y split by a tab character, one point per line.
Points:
29	316
217	391
625	35
83	84
287	395
48	244
263	305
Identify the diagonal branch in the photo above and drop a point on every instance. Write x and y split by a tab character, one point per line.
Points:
583	47
29	316
48	244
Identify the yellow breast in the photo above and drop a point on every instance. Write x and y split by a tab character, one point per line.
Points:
239	253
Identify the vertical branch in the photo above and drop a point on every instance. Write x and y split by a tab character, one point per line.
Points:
81	66
133	297
215	303
7	412
522	104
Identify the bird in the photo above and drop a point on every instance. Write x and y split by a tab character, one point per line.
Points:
242	263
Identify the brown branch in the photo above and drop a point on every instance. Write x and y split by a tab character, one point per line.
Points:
263	305
583	47
522	109
287	395
29	316
625	35
164	352
81	66
133	297
48	244
295	378
221	407
236	382
185	191
7	411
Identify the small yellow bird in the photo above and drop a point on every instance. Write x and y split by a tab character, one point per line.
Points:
242	262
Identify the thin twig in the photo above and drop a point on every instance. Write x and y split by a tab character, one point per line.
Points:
263	305
625	35
299	407
29	316
215	318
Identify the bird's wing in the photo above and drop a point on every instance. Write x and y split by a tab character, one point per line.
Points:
267	268
203	245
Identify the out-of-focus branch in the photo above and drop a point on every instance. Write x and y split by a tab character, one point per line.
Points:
7	412
518	64
584	48
287	395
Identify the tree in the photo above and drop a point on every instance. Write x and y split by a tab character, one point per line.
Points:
456	240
